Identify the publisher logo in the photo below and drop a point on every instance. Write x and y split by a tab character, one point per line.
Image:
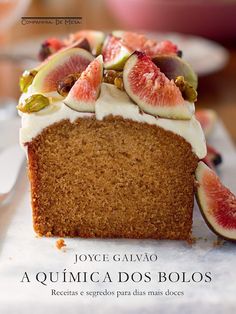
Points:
51	20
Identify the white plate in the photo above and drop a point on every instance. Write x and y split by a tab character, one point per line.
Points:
21	251
9	132
204	55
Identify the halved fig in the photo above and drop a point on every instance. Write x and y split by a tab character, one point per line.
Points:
217	203
153	92
135	41
114	53
207	119
95	39
85	91
213	157
49	47
119	45
80	43
60	65
173	66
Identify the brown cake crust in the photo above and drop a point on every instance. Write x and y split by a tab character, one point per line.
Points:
111	178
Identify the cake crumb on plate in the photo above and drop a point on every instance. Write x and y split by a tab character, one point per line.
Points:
60	243
219	242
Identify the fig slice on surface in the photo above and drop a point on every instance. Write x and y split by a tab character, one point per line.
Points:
173	66
217	203
114	53
152	91
85	91
60	65
213	157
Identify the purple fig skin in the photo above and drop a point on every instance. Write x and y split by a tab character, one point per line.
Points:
165	100
82	43
139	54
180	53
208	224
174	66
49	47
64	62
217	160
44	53
215	155
46	50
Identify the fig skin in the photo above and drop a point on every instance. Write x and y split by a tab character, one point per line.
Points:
203	207
152	91
53	45
76	98
209	225
214	155
173	66
61	61
49	47
82	43
114	61
94	38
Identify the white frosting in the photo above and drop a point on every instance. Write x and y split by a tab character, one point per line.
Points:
34	123
111	101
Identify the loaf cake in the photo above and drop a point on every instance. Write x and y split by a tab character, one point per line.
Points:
111	138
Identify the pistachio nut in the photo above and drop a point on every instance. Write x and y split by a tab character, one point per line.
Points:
34	103
188	91
26	80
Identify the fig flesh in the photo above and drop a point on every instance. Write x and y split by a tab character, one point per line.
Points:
152	91
216	202
173	66
114	53
85	91
60	65
95	39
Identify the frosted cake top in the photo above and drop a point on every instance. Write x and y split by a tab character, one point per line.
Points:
123	74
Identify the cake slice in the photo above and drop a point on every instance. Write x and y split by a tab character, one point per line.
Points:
110	159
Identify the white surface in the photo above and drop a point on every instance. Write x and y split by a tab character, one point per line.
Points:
111	101
21	251
8	134
11	160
